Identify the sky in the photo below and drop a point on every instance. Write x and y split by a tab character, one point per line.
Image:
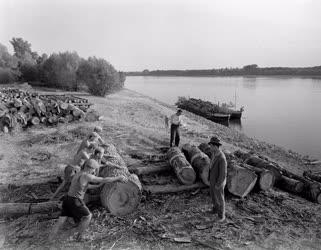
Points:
170	34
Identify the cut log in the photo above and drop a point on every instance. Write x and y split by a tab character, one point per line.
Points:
35	120
171	188
260	163
312	176
119	198
205	148
291	185
183	170
15	209
150	169
266	177
240	181
199	161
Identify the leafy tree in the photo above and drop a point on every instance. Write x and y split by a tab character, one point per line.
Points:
100	76
6	59
59	70
22	50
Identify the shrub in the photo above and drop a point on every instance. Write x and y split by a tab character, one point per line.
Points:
59	70
7	76
100	76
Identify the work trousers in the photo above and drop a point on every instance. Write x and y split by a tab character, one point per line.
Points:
175	135
217	195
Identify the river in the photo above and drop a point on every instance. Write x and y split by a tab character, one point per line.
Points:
280	110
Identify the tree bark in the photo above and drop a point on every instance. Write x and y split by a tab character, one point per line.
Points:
150	169
183	170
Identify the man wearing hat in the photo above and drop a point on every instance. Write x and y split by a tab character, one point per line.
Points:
73	204
176	122
217	177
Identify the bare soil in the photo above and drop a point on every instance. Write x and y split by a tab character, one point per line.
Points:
135	124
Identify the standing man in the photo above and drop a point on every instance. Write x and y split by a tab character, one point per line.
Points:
218	171
176	122
73	204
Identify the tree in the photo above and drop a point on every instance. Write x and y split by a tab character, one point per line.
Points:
6	59
100	76
59	70
22	50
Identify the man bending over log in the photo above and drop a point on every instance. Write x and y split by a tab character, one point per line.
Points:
73	204
218	171
93	137
73	168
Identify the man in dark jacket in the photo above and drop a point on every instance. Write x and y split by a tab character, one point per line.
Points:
218	170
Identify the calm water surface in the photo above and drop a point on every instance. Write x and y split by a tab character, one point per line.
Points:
282	111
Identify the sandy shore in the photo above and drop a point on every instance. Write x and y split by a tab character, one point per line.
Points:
135	124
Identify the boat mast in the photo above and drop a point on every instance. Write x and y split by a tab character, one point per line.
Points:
235	99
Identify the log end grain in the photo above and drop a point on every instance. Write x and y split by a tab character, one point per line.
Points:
121	198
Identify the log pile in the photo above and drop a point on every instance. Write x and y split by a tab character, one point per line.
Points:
307	186
24	108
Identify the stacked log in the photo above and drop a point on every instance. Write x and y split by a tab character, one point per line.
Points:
120	198
285	180
18	107
183	170
199	161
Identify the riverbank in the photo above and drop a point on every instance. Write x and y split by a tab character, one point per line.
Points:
135	124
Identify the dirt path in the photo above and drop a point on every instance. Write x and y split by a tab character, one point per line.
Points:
135	124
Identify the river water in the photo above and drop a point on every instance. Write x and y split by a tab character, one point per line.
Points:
279	110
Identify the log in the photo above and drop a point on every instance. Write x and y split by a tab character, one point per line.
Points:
120	198
266	178
240	181
312	176
35	120
205	148
150	169
288	181
199	161
291	185
16	209
183	170
313	191
260	163
172	188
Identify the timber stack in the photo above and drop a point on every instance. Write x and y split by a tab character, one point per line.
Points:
208	110
307	186
24	108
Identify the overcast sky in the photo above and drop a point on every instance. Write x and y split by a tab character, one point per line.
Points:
170	34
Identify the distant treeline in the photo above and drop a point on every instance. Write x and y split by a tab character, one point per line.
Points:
252	69
66	70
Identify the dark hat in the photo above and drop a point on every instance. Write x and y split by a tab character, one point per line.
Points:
215	141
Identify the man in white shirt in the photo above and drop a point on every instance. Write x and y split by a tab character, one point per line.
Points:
176	122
